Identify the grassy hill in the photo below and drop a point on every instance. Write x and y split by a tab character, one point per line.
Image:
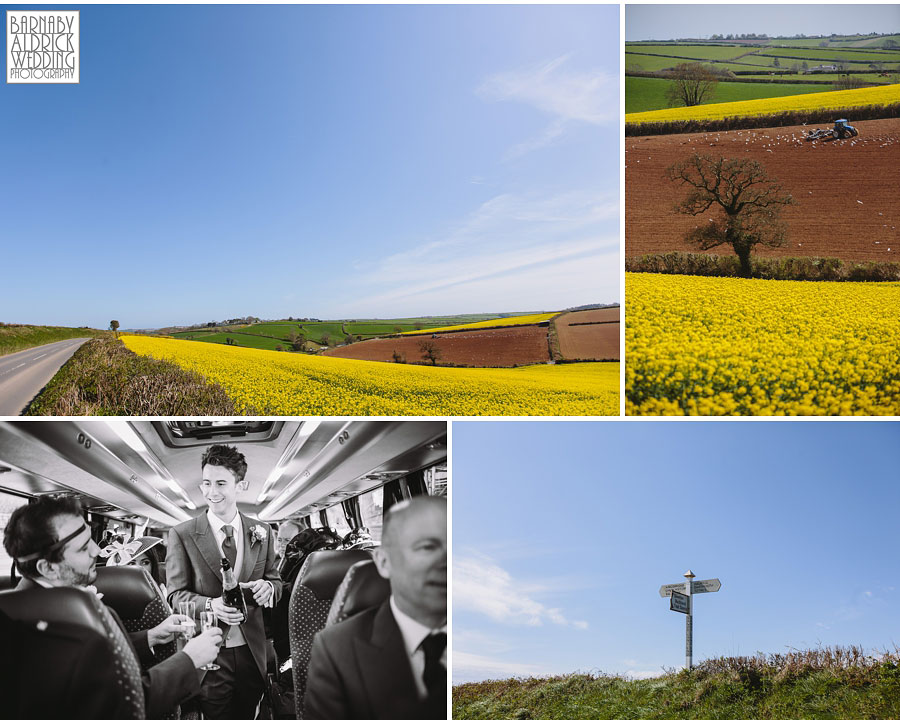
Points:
21	337
821	684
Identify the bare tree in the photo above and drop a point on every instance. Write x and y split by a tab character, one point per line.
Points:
430	351
749	202
691	84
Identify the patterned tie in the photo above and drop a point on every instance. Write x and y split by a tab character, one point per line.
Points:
228	547
128	670
435	675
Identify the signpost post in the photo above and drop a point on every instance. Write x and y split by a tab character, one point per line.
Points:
682	600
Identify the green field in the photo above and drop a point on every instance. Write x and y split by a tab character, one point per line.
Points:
828	55
643	94
699	52
14	338
269	335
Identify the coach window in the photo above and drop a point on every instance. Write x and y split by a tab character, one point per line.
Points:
371	509
337	521
8	503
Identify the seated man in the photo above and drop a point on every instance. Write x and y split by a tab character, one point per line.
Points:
389	663
52	547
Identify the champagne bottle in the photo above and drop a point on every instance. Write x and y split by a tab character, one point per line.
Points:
231	591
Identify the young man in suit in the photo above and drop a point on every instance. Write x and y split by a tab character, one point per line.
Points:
389	663
193	572
52	547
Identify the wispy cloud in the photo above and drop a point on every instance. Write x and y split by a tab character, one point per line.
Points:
469	667
498	257
569	97
482	586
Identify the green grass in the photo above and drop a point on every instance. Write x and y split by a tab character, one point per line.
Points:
14	338
704	52
642	94
830	684
104	378
250	341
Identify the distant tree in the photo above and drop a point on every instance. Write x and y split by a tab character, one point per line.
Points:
890	44
348	338
750	203
691	84
114	326
399	357
398	329
325	339
430	351
824	43
776	63
805	65
848	82
279	348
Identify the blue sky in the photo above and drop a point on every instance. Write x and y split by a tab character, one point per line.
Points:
668	22
563	533
329	161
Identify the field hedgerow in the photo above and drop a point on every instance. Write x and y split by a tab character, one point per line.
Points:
732	346
271	383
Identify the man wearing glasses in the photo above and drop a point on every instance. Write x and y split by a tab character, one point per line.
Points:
193	572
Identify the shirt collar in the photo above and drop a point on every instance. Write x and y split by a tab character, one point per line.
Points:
216	524
413	631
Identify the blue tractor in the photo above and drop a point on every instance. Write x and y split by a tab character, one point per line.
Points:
842	129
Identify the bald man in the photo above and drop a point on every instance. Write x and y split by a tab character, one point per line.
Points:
390	662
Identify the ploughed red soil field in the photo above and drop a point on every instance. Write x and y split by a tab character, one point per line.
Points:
845	191
589	334
497	347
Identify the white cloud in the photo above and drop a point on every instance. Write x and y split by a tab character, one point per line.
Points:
507	254
643	674
468	667
482	586
569	97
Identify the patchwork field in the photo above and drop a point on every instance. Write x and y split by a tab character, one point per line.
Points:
845	205
268	383
494	347
589	334
729	346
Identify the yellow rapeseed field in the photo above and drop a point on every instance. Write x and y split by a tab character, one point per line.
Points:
861	97
499	322
729	346
265	382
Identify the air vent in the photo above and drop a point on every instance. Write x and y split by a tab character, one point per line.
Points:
191	433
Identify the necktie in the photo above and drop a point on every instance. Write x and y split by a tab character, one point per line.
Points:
435	675
229	549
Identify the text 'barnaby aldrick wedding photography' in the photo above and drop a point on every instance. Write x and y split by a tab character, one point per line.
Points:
42	46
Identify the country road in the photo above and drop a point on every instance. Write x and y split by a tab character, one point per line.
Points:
24	374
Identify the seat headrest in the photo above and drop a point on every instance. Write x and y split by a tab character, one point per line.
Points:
324	569
362	588
60	604
127	589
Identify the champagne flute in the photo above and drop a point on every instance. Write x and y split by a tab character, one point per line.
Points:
189	608
207	621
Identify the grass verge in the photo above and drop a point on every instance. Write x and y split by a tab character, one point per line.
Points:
790	268
105	378
832	683
14	338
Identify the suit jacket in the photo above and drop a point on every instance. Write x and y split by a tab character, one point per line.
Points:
194	572
64	671
167	684
359	670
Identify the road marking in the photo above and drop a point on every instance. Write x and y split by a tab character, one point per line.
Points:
40	356
13	368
